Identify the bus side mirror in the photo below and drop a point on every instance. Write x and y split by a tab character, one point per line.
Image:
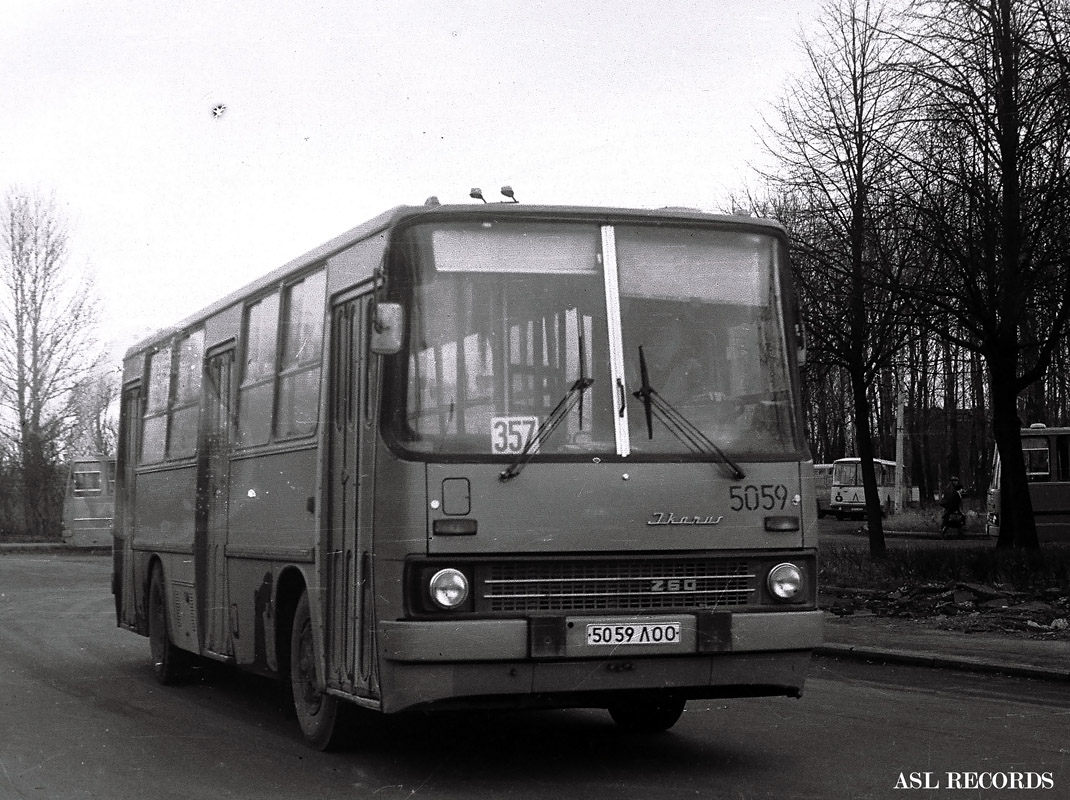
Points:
388	328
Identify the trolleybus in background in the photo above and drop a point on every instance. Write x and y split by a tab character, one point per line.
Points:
89	502
823	488
473	456
848	494
1047	468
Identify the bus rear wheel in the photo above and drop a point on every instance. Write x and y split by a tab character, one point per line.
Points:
169	663
322	717
649	713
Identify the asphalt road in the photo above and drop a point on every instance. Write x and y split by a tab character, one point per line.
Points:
82	717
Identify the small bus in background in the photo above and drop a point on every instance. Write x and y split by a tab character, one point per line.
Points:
848	494
1046	452
482	456
89	502
823	488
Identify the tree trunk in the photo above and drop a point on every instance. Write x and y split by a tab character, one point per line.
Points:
1017	528
864	442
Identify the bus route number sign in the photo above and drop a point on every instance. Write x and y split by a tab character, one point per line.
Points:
510	435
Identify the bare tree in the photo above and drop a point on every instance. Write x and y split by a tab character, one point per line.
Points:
94	426
835	142
991	196
46	316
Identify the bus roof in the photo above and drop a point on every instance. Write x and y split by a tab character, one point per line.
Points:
856	460
1044	430
393	216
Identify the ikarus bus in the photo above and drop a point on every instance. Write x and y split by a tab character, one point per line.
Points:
482	456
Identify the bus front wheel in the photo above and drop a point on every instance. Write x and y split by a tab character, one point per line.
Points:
648	714
169	663
320	715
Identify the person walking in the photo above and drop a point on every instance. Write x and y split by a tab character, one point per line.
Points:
951	502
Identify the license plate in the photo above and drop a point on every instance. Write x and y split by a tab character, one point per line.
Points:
618	634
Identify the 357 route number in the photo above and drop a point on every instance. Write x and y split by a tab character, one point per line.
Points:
767	496
511	434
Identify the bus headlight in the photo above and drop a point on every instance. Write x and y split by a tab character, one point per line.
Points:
448	588
785	581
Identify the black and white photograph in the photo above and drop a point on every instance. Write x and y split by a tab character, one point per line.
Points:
528	400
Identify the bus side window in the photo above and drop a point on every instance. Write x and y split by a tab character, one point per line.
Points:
1037	459
109	467
185	406
297	406
86	484
256	391
1062	457
154	430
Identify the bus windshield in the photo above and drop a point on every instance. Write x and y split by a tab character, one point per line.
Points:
847	473
507	316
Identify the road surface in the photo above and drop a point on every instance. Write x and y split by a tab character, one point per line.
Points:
82	717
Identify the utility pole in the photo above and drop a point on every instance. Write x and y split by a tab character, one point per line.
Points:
900	466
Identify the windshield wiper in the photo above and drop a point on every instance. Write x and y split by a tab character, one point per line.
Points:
555	417
690	435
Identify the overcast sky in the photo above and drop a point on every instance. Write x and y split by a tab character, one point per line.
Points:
338	110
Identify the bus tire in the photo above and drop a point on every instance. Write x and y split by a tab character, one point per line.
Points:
320	715
652	713
169	663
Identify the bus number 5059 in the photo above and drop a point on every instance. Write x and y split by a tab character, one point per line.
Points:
768	496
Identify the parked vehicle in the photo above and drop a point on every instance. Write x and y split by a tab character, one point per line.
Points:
89	502
1046	452
848	496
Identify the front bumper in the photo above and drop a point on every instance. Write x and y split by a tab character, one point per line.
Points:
482	640
485	664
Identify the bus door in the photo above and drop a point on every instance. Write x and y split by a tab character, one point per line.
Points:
213	497
122	551
349	642
1047	463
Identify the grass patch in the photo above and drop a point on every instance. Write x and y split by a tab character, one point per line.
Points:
920	520
1031	572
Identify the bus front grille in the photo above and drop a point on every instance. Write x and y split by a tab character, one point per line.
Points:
612	585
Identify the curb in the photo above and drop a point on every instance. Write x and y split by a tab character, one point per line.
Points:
918	659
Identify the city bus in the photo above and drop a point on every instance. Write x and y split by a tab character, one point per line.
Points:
89	502
1046	452
848	494
823	488
481	456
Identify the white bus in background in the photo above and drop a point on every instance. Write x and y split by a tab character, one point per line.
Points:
89	502
848	497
